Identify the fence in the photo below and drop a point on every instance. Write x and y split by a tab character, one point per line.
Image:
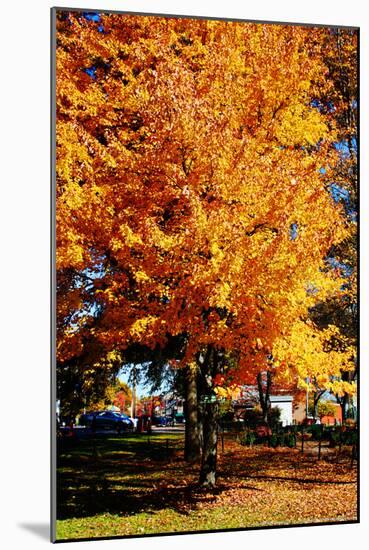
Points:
330	442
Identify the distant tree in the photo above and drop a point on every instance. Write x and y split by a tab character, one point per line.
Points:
254	417
340	104
326	408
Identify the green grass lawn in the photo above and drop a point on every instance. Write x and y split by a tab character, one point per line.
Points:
135	485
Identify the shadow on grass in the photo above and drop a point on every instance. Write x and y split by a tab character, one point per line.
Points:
124	475
133	474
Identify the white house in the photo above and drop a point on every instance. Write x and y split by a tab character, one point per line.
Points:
284	404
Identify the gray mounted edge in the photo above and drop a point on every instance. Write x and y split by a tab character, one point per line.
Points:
53	274
206	17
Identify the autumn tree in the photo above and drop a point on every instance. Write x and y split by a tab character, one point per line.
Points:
189	186
319	356
118	395
341	107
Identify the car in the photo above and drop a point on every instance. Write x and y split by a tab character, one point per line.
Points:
127	421
107	420
161	421
86	419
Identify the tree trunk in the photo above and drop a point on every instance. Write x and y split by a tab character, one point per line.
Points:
209	368
343	404
210	439
192	439
315	411
316	398
264	398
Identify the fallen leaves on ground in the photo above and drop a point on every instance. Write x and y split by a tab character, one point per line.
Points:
256	486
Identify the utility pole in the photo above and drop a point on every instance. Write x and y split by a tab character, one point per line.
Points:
133	405
307	397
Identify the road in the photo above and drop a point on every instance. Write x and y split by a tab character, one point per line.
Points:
81	432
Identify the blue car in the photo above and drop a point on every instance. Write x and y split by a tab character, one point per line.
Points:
107	420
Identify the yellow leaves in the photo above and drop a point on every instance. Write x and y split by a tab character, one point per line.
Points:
142	326
113	355
259	344
70	252
305	85
340	387
217	254
162	240
309	354
75	255
115	244
227	392
222	295
143	94
127	237
300	125
73	156
141	276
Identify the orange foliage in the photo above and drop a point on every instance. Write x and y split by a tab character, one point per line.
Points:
184	159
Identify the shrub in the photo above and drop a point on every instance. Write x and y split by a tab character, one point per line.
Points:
290	440
343	436
226	411
349	437
274	417
248	439
254	416
350	422
334	439
274	441
316	431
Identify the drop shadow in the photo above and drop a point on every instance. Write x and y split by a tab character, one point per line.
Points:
42	530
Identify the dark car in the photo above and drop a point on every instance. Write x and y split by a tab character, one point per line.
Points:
107	420
127	422
162	421
179	419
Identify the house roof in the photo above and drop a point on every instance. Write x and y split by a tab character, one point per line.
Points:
281	398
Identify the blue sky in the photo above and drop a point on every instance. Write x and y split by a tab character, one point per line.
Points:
141	390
